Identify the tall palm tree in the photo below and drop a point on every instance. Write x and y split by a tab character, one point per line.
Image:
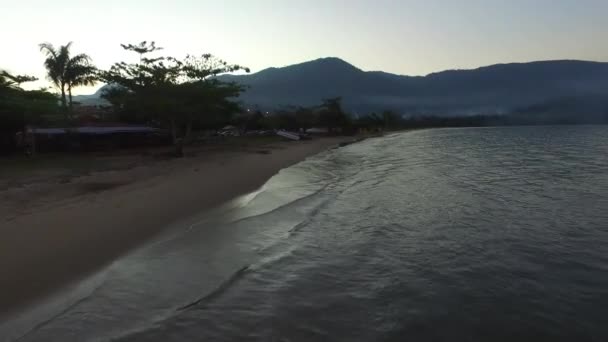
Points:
56	64
67	72
79	72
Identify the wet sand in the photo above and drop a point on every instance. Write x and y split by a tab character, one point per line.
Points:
56	231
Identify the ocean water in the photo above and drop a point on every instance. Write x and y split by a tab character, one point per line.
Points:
480	234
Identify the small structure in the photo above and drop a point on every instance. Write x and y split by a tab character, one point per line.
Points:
90	137
288	135
230	131
317	130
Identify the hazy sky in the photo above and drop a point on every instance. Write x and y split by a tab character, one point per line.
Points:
413	37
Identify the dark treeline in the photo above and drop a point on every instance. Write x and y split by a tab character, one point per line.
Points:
19	108
302	118
184	96
179	95
331	117
162	91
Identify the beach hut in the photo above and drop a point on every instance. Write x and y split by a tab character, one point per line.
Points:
90	137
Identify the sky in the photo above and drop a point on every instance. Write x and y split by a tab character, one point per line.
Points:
408	37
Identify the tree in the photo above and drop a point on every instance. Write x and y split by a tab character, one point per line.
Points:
332	115
306	117
20	108
79	72
119	98
142	48
55	64
391	119
9	81
65	71
286	119
177	93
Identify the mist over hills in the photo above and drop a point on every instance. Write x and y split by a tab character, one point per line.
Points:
496	89
577	88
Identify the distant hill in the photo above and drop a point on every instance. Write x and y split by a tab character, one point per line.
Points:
574	109
93	99
501	88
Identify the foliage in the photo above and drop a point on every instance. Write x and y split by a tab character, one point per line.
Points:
9	81
332	115
67	72
249	120
175	93
306	117
141	48
329	115
20	105
20	108
79	72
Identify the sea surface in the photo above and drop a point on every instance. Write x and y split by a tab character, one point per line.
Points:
477	234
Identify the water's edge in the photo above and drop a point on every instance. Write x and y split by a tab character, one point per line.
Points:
36	315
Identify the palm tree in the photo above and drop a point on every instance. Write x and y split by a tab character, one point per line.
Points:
9	81
79	72
67	72
56	63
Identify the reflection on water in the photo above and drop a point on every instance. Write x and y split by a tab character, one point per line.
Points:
452	234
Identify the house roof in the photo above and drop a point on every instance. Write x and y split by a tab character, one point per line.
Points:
94	130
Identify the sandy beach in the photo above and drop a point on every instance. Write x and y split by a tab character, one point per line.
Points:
56	229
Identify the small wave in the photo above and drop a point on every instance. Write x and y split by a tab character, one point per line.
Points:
272	258
126	335
40	325
272	211
219	290
59	306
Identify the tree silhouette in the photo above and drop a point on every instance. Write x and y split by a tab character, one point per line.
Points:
55	64
65	71
332	115
142	48
176	92
20	108
8	80
79	72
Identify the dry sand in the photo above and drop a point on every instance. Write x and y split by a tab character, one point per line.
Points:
55	231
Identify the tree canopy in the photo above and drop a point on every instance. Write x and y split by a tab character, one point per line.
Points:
332	115
66	71
174	92
20	108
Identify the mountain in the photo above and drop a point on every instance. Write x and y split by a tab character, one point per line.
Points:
551	87
501	88
93	99
574	109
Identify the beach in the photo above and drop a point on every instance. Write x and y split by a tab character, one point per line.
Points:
57	229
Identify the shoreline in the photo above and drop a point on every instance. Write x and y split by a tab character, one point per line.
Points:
64	235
